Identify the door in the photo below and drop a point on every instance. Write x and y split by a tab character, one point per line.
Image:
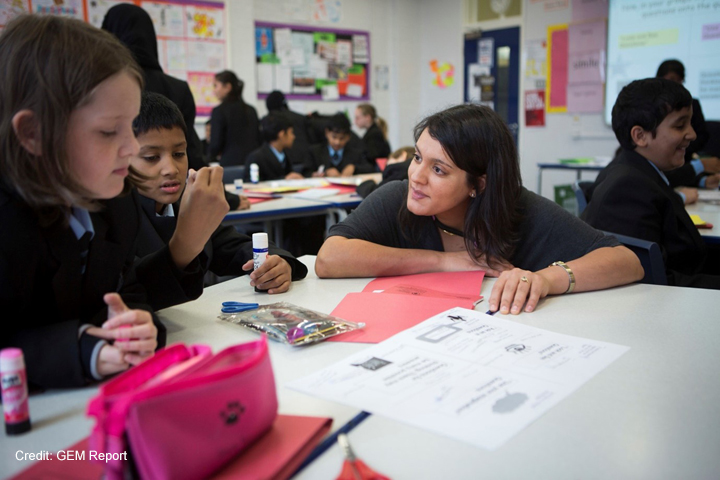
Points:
492	72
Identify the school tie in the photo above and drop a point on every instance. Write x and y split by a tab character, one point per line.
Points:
84	246
336	159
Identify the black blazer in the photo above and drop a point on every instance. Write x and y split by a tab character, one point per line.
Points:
270	166
630	198
234	132
45	298
225	253
375	144
320	155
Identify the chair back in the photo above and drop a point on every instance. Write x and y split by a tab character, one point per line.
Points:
231	172
650	257
580	187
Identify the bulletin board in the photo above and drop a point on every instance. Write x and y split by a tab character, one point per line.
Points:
311	63
191	35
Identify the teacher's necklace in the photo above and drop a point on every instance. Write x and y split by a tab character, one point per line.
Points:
449	230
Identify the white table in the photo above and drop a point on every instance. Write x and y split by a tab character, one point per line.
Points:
58	417
654	413
288	206
711	214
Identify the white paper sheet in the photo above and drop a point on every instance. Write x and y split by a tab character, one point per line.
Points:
709	195
354	90
265	77
465	375
330	92
283	78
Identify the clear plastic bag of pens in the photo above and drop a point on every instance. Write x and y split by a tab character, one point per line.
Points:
288	323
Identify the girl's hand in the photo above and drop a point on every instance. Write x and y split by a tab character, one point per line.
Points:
515	288
132	332
274	275
244	203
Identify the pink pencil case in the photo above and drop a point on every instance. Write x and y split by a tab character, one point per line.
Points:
184	413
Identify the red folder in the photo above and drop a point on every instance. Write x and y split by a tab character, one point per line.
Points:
276	455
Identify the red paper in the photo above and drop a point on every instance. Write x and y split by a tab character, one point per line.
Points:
559	69
342	188
386	314
276	455
452	283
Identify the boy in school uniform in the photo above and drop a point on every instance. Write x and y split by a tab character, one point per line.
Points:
273	157
338	158
632	196
160	131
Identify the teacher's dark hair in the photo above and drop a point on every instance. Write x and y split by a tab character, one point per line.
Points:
477	140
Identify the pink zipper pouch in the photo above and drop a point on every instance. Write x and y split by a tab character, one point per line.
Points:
184	413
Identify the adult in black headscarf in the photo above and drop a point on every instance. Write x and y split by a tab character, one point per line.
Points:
300	151
234	124
133	27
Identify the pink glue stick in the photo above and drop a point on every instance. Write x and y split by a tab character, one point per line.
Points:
14	391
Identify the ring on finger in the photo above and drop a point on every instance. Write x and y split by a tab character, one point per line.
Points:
524	279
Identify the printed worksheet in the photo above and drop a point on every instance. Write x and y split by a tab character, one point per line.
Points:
465	375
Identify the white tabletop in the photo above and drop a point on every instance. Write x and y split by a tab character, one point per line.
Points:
710	213
654	413
58	417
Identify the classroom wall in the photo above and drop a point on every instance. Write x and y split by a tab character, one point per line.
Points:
404	35
564	135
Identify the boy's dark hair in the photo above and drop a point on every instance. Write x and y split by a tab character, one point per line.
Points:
671	66
338	123
276	101
157	112
272	125
646	103
209	122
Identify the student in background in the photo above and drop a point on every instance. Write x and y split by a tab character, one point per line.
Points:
300	151
235	131
396	169
464	208
337	158
696	172
162	162
273	158
134	28
71	299
632	195
206	143
375	138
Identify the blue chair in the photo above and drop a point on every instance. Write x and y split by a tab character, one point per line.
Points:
650	257
232	172
580	187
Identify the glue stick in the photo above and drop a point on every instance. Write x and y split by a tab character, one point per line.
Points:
14	391
260	251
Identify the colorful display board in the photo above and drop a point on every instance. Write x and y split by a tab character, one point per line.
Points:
191	35
312	63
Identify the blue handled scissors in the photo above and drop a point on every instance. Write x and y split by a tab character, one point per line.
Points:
237	307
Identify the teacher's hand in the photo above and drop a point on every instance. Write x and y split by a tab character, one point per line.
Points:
515	288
